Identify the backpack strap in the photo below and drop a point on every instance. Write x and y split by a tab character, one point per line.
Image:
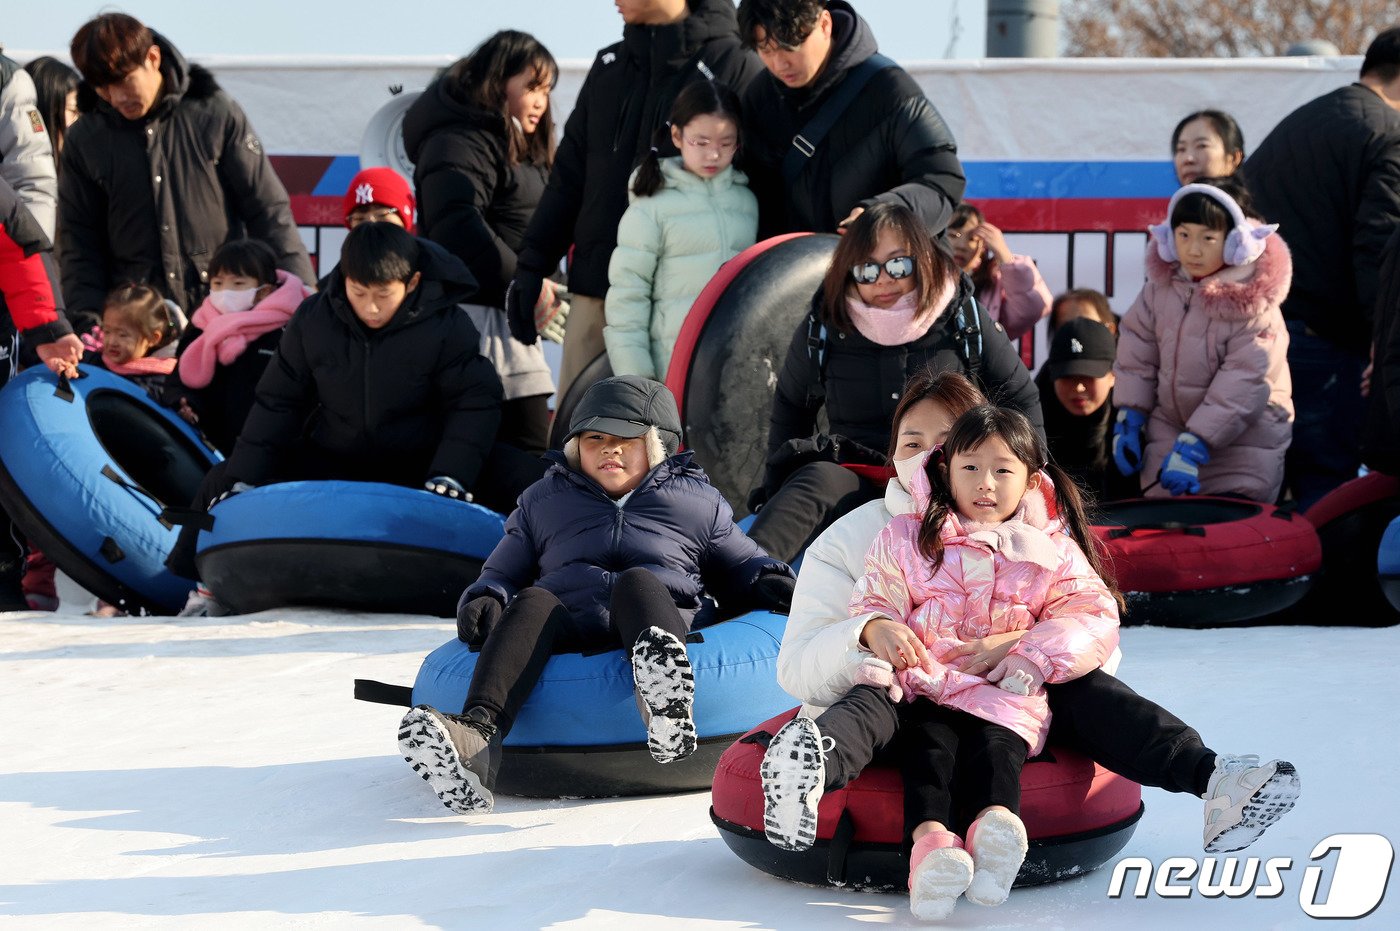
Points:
809	139
967	333
817	344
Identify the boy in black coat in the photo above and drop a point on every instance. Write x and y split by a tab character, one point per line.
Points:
616	546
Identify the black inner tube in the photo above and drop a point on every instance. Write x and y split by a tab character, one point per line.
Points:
158	457
1163	511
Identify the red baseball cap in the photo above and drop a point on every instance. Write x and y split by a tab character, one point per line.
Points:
383	186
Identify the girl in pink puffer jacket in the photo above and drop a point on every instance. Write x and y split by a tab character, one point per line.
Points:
1000	542
1202	354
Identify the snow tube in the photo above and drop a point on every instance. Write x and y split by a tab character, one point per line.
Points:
731	348
87	467
1388	563
594	371
1203	561
579	734
359	545
1078	816
1351	521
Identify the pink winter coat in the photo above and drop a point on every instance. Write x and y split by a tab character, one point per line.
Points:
1028	575
1017	297
1210	357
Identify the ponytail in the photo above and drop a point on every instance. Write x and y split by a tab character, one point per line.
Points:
649	179
1074	504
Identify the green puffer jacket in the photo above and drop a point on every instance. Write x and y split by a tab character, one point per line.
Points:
669	245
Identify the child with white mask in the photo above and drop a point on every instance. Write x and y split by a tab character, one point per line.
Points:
231	338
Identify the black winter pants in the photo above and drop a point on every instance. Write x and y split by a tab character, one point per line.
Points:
535	626
11	541
525	424
811	499
1107	721
507	472
953	764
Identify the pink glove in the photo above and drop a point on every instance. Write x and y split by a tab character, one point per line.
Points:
1017	674
879	674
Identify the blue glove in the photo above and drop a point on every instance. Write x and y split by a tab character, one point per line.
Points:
1181	471
1127	441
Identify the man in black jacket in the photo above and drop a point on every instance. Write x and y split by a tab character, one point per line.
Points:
1329	175
625	99
162	170
888	143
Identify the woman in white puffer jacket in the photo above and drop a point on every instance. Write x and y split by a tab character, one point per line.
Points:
824	650
688	216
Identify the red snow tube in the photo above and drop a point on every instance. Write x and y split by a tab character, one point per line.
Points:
1204	561
726	362
1350	522
1078	815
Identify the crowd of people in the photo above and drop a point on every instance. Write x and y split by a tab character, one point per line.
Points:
949	592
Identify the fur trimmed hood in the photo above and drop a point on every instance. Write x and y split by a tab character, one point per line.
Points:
1236	292
182	80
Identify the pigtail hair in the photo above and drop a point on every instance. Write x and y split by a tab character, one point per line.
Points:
940	501
649	179
1074	505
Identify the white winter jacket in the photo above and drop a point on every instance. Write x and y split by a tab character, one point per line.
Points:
669	246
821	651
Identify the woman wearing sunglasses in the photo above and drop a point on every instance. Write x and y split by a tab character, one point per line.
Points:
893	303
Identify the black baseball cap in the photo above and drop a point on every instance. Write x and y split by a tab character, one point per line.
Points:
1082	347
626	405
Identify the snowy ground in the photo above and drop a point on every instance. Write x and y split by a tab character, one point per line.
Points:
167	772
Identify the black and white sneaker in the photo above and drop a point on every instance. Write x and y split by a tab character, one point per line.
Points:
794	778
453	755
665	694
1243	798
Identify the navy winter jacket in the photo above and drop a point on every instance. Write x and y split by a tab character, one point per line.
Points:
569	538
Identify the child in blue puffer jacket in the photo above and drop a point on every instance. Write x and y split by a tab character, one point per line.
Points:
617	545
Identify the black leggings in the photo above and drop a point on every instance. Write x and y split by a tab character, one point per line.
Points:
811	499
953	764
525	424
535	626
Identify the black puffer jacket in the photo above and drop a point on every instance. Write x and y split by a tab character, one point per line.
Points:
890	144
862	382
1083	446
150	200
471	200
571	539
223	405
626	96
1380	442
401	404
1329	176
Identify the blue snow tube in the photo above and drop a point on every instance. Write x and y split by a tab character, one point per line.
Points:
1388	563
580	733
359	545
86	468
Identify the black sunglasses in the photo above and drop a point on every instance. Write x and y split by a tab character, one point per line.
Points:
901	266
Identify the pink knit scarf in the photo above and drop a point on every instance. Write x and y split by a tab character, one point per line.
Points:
226	336
149	365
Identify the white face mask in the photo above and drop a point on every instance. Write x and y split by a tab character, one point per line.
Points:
230	301
904	469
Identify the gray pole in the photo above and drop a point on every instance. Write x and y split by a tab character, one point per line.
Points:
1023	28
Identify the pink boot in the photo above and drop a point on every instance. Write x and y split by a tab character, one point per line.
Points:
998	844
939	871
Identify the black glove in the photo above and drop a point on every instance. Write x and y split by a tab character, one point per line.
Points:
476	618
774	592
448	487
521	297
757	499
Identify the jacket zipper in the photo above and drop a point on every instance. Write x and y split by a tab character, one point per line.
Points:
1176	349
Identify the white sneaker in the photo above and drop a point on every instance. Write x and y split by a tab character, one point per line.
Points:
794	778
998	844
1244	798
665	688
198	604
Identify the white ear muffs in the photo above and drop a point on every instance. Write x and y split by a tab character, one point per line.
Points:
1243	244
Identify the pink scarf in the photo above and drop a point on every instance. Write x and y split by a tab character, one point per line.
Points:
226	336
900	324
148	365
